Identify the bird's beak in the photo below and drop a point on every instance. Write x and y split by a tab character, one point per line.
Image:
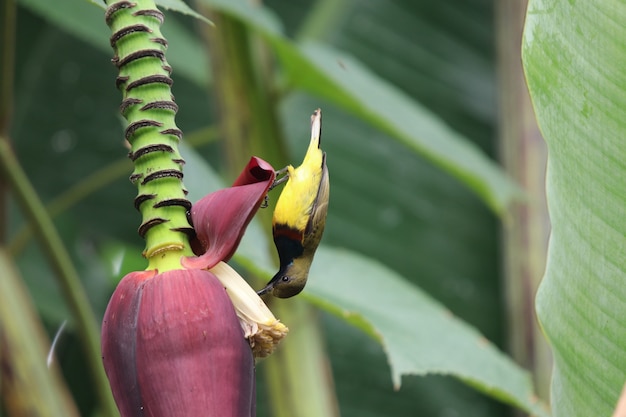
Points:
267	289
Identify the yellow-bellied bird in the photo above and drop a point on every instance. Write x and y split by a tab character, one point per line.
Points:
300	216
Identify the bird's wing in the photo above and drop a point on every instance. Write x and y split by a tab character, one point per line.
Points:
317	220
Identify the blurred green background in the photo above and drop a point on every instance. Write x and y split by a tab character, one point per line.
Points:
387	203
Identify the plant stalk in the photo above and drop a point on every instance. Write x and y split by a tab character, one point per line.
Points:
29	387
526	230
148	106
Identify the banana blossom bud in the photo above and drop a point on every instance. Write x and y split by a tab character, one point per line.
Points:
174	343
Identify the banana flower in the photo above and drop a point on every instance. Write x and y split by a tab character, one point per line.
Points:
182	342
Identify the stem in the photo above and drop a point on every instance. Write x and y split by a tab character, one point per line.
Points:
58	257
148	106
525	233
243	88
300	364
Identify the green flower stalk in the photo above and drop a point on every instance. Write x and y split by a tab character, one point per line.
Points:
180	338
148	105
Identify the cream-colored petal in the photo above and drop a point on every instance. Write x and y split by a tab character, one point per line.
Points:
259	325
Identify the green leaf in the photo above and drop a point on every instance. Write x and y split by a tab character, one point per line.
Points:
324	72
381	104
419	335
344	81
574	58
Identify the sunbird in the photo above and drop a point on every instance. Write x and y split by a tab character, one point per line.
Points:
300	216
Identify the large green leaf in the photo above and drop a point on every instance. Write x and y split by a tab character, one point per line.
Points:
574	57
324	72
320	70
419	335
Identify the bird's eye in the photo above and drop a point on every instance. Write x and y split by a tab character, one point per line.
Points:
285	279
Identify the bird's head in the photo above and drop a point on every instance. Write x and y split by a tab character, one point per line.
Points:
290	280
